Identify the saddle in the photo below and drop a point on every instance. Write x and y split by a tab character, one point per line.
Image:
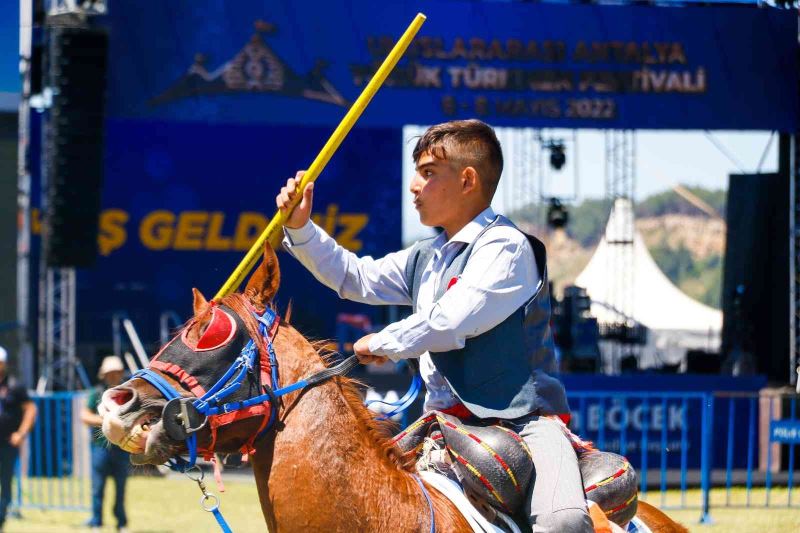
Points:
495	468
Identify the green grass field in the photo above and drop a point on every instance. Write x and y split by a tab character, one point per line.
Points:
167	505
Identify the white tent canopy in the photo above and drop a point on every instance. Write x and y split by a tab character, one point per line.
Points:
675	322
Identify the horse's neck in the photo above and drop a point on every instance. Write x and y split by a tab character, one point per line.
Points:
324	471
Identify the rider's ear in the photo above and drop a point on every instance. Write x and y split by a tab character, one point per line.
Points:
265	280
200	302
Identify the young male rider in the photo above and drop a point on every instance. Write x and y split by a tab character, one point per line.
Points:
481	307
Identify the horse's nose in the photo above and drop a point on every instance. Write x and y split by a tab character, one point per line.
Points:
118	400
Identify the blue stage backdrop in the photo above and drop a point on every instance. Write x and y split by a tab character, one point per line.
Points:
212	104
515	64
184	202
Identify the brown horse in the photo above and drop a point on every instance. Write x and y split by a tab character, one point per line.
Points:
326	465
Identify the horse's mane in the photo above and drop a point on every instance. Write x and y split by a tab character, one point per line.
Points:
381	431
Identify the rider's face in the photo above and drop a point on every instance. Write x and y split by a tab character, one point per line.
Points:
436	187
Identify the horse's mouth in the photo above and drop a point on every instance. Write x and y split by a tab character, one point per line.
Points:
142	435
154	447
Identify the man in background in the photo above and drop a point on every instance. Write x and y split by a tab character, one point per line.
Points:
17	416
107	460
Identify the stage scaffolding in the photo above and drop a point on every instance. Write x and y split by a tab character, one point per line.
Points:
55	359
794	264
620	178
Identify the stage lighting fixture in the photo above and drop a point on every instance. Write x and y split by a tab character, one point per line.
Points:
557	155
557	215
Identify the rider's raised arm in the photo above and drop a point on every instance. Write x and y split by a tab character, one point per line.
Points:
361	279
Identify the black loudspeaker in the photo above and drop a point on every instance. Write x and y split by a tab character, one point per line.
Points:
755	289
702	362
76	69
36	69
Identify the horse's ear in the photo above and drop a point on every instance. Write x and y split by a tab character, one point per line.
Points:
200	303
263	284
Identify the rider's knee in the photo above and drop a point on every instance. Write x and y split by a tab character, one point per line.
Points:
571	520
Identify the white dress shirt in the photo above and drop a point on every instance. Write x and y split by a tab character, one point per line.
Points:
499	277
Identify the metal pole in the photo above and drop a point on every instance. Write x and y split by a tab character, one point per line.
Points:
131	363
49	327
135	342
707	422
116	334
73	317
794	305
25	360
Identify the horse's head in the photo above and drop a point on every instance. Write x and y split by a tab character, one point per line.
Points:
191	364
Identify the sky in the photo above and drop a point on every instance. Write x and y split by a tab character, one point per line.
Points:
663	159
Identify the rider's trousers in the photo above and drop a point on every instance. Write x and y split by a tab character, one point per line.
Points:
556	501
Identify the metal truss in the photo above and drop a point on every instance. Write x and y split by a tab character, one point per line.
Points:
520	175
57	360
794	263
620	174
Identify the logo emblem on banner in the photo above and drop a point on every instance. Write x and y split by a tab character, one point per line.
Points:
256	68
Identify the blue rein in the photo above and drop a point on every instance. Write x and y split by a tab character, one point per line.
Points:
403	403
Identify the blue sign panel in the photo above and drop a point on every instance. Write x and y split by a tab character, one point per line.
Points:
668	427
785	431
516	64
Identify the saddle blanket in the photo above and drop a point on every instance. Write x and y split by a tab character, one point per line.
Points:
452	491
637	526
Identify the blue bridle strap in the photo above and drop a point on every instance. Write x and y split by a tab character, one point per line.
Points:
210	403
168	391
157	381
245	362
224	387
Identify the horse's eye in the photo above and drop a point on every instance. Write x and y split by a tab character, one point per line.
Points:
219	331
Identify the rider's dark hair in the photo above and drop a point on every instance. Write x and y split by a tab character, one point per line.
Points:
466	143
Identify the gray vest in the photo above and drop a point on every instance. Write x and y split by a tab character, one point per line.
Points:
502	372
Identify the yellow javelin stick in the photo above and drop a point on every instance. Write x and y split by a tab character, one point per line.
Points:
276	224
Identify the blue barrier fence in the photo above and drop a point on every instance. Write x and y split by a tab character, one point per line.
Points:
54	468
702	440
689	441
651	430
